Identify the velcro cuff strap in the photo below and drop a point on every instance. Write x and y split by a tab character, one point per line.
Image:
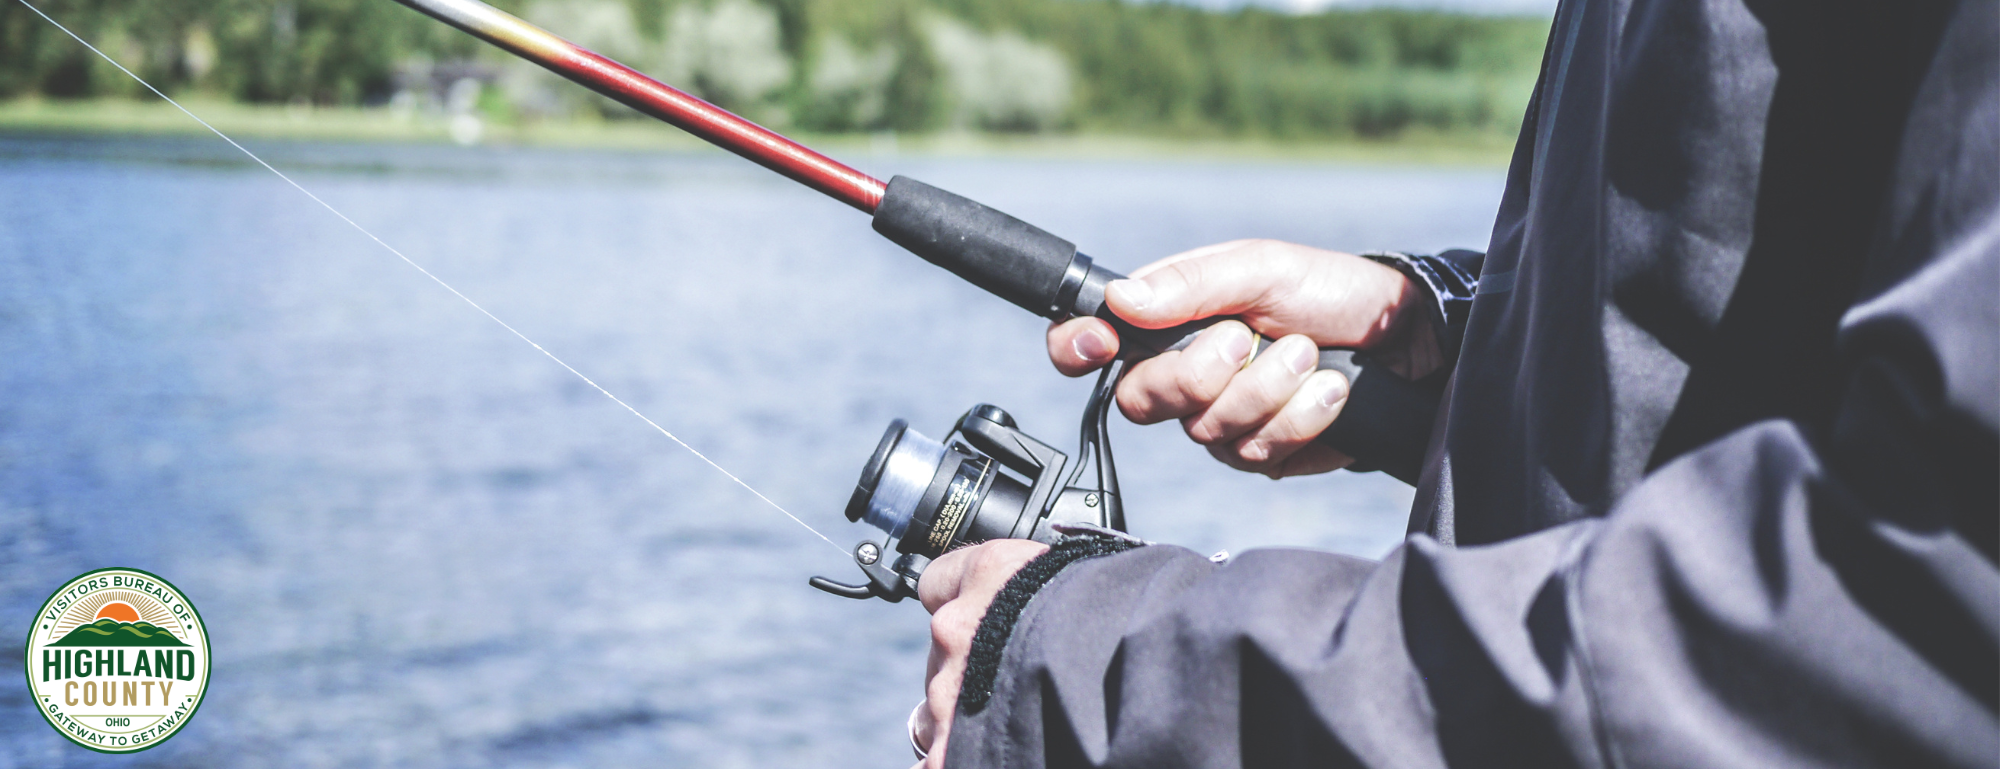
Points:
983	665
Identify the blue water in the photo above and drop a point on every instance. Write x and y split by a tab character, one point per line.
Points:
418	542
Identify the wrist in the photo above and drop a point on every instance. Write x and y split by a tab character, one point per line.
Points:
1408	341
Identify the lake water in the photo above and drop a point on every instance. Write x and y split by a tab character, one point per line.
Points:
418	542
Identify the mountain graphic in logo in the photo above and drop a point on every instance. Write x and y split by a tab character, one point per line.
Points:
111	632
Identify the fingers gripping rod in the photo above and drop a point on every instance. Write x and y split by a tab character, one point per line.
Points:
1384	426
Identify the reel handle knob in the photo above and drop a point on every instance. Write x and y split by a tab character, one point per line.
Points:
861	592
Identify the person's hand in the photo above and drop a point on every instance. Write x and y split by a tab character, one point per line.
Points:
1261	417
955	589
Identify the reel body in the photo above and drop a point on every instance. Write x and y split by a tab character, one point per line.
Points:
985	480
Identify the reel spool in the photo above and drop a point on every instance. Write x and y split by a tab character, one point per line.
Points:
985	480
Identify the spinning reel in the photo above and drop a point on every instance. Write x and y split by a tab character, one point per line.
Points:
985	480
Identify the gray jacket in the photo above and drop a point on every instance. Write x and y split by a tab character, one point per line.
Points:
1714	480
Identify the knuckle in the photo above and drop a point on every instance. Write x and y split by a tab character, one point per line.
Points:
965	616
1265	254
994	556
1188	386
1201	385
1283	428
976	555
943	693
1147	394
1201	431
951	629
1270	386
1281	441
1187	272
1134	412
947	568
1295	429
940	583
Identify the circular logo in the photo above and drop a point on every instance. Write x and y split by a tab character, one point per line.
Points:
117	660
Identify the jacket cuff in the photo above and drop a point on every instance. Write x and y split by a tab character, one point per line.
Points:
983	664
1451	278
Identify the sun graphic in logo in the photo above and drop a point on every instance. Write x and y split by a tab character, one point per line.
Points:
118	610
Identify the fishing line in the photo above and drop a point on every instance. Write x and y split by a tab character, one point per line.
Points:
434	278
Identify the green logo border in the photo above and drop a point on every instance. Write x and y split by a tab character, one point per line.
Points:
28	666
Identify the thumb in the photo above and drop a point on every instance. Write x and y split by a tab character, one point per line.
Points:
1226	283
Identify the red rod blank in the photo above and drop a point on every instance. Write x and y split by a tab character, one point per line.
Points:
633	89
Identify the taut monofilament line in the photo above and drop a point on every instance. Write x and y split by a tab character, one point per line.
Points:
428	274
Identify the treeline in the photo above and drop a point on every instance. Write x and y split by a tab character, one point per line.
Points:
827	65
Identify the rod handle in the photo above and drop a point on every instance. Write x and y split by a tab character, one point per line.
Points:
1386	424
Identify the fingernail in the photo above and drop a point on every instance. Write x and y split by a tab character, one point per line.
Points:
1235	345
1333	391
1090	346
1255	452
1303	357
1131	293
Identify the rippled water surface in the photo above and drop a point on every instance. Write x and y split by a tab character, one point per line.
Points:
417	541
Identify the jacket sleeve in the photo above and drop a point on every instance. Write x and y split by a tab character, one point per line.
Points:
1778	597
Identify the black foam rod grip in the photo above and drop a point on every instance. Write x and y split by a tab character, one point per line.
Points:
1015	260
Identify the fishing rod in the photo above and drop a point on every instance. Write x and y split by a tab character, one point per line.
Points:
931	496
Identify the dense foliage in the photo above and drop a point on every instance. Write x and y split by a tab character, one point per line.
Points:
831	65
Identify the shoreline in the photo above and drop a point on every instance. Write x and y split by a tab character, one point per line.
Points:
112	117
